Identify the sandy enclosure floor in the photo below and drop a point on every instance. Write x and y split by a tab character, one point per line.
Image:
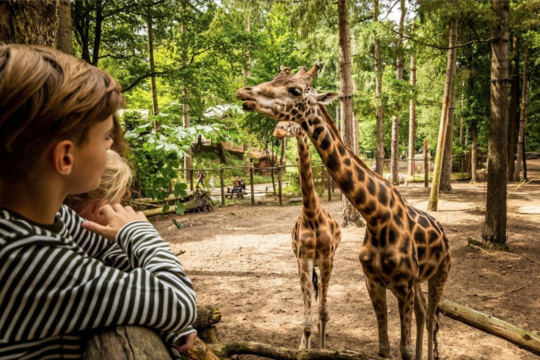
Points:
240	259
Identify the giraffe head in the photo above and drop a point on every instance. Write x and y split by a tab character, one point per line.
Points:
286	98
287	129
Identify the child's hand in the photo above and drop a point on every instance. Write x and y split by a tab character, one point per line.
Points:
186	342
116	217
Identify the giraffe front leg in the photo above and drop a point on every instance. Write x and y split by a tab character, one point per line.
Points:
305	271
420	314
377	293
324	312
405	299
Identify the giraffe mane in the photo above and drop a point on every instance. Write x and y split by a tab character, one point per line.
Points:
332	124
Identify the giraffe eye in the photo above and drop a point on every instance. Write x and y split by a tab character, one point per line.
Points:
295	91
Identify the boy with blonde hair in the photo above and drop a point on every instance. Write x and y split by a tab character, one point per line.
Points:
61	276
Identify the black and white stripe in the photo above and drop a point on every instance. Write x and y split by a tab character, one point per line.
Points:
55	285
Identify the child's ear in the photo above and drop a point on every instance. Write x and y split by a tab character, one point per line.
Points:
63	157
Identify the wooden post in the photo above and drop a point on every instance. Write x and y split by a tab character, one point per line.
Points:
280	187
329	187
222	187
462	155
426	164
191	179
252	186
322	177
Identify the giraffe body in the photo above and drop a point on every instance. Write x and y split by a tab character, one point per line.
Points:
315	238
403	246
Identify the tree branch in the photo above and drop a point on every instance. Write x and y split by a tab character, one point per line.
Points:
141	78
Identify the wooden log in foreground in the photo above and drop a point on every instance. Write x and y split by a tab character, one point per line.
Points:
207	315
280	353
126	343
525	339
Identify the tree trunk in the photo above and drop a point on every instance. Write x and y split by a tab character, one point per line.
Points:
461	122
98	32
349	213
152	67
474	154
188	161
412	122
514	109
523	118
30	22
446	172
497	178
394	156
378	96
434	196
65	32
247	64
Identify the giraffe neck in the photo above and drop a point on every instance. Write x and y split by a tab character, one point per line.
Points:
369	193
310	199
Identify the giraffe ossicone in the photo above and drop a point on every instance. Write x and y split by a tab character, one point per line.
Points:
403	246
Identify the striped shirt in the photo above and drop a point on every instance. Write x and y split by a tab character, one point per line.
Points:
58	282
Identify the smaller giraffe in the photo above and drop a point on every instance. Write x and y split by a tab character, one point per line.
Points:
316	236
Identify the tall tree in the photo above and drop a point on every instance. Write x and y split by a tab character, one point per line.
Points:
349	213
188	161
446	171
523	118
514	108
434	196
152	65
474	153
17	17
379	168
394	156
412	122
65	31
497	178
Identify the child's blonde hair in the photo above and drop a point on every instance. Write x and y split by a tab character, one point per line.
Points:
115	181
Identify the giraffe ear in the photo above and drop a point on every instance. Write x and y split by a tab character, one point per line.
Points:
324	98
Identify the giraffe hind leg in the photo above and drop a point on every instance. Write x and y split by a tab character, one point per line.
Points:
420	314
324	312
436	286
305	271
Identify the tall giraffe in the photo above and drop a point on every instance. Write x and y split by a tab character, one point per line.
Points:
316	236
403	246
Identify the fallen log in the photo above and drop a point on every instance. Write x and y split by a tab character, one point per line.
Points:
155	201
524	339
126	343
190	205
201	351
280	353
209	335
207	315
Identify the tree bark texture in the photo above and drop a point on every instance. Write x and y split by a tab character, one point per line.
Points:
280	353
378	96
497	178
394	156
30	22
126	343
349	213
65	31
152	67
461	122
525	339
523	118
98	32
412	122
514	109
446	171
474	153
434	196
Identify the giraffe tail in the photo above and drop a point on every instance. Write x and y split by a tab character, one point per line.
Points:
435	331
315	280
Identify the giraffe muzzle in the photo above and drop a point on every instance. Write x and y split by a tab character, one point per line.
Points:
249	105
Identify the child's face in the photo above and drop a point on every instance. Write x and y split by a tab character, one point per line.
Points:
90	158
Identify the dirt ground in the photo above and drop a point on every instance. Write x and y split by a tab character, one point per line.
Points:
240	259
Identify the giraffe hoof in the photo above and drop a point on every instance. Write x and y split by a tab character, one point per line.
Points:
384	353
